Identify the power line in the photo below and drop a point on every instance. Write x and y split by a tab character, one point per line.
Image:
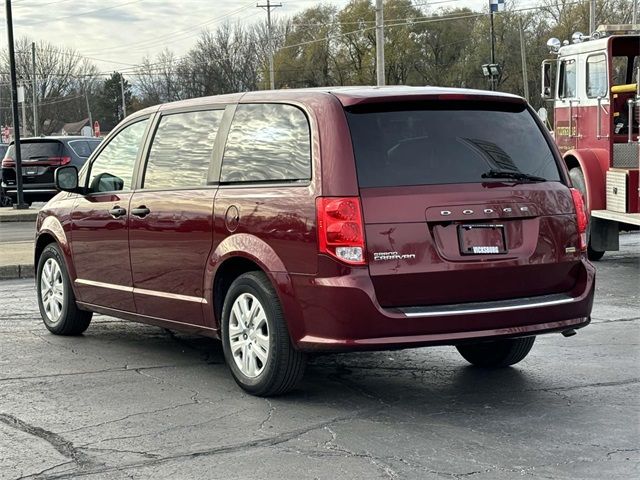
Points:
171	36
134	69
27	4
412	21
79	14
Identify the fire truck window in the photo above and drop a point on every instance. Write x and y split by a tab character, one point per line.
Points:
625	70
596	76
619	73
568	79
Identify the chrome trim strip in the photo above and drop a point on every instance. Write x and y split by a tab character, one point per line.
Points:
174	296
490	309
141	291
111	286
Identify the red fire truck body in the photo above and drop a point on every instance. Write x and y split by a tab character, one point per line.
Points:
596	96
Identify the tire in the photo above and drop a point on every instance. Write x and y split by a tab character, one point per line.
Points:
594	255
56	300
577	178
5	200
278	367
497	354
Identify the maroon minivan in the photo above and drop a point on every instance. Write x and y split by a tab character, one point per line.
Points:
296	221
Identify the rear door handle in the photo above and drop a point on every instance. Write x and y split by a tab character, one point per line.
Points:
141	211
117	212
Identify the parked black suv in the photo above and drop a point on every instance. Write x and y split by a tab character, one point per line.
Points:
40	158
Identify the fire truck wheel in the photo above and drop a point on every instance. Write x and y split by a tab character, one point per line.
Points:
577	178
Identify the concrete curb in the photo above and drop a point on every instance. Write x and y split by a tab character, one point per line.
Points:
14	272
19	217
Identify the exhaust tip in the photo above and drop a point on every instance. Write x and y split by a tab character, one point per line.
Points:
569	333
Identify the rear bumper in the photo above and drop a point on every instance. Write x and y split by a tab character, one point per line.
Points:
341	313
32	191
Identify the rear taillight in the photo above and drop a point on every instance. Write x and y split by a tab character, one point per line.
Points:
59	160
340	229
7	162
581	217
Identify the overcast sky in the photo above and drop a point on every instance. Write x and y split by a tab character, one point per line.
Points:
124	31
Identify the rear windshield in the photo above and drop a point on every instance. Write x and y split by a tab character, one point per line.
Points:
36	150
438	143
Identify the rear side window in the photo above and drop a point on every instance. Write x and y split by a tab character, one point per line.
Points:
83	148
182	149
443	142
37	150
267	143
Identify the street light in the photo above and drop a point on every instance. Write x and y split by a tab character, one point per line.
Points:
20	205
492	71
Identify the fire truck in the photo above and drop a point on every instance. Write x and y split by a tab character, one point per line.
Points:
594	84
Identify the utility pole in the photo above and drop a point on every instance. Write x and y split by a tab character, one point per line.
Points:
20	205
124	105
86	97
34	88
493	50
24	106
634	15
380	44
268	6
592	16
523	54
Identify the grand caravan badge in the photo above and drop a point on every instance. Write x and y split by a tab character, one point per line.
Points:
381	256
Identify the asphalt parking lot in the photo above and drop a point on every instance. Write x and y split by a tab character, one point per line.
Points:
135	401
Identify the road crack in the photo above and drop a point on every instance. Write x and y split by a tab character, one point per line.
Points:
267	419
226	449
62	446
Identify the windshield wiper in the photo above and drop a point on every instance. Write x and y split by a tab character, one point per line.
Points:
513	175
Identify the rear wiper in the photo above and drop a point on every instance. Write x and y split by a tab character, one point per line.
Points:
511	174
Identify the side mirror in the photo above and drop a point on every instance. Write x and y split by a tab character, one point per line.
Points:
543	114
106	182
547	84
66	179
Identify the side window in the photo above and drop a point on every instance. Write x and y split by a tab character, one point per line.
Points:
619	70
112	170
567	86
182	149
596	76
267	142
83	148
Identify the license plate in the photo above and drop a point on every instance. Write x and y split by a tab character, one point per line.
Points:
29	170
482	239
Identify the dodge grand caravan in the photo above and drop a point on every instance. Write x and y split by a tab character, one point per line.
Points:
301	221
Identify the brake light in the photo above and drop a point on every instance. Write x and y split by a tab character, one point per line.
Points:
340	229
581	217
7	162
59	160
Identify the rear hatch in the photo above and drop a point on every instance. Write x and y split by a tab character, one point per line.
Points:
39	160
445	220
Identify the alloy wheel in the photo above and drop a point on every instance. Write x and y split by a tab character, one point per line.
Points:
249	335
52	290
